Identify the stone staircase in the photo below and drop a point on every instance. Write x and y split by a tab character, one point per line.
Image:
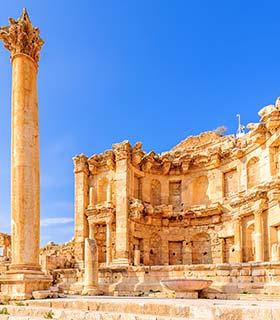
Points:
108	308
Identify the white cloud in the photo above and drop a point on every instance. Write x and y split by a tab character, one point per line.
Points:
55	221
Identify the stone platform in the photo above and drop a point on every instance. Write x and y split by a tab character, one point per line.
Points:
120	308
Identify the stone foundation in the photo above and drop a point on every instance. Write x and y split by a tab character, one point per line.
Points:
20	286
228	279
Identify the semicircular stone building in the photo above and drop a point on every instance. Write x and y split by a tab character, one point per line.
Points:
207	207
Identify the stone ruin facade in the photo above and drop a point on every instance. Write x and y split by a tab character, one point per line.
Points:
209	207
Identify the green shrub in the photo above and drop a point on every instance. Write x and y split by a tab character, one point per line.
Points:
49	315
4	311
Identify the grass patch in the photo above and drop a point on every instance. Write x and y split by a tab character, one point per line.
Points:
4	311
49	315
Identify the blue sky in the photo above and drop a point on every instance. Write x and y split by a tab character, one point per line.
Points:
154	71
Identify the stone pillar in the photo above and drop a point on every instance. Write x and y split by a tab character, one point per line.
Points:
81	173
237	239
259	246
146	255
109	191
91	197
91	268
122	155
108	243
25	275
137	254
275	252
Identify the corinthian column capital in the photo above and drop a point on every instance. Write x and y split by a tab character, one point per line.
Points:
21	37
80	164
122	150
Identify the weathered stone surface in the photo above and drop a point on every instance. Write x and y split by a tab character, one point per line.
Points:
24	43
211	200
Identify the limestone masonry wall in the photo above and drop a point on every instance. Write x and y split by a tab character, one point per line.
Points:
209	200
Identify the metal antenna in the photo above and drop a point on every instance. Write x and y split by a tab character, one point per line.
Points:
241	128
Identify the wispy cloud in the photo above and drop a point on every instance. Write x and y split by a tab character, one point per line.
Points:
56	221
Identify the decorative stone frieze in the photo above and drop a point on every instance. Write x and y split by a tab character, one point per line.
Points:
101	213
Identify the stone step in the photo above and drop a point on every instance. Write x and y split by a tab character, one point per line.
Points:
108	308
39	313
150	307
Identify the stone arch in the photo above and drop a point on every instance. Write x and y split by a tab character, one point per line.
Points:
201	249
199	190
102	190
155	250
253	175
155	195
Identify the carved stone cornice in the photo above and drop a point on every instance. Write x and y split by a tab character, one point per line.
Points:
255	195
148	161
166	166
101	213
137	154
136	209
93	164
204	210
122	150
80	164
20	37
110	159
258	133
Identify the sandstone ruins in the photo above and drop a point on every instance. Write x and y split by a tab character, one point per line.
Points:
208	208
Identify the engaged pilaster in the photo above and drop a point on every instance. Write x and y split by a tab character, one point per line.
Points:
259	246
122	155
237	239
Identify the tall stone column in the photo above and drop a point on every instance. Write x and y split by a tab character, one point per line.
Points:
122	156
109	191
259	246
108	243
237	239
91	268
81	173
24	43
91	197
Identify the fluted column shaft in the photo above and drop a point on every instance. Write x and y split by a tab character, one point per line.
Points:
25	166
108	243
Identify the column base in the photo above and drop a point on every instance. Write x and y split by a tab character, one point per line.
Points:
19	284
92	291
120	262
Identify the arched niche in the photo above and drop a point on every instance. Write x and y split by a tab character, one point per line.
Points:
155	194
199	190
201	249
253	175
155	250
